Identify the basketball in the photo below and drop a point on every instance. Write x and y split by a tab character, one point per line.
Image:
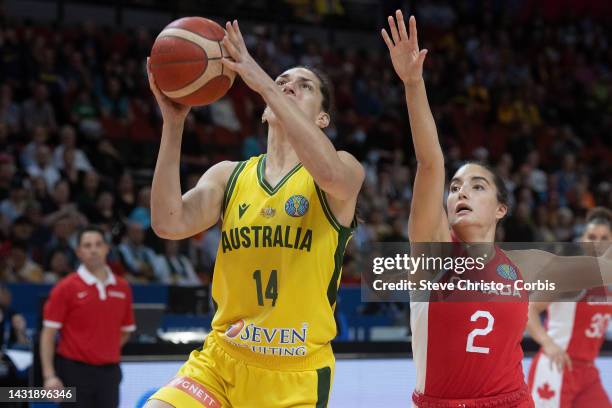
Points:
186	61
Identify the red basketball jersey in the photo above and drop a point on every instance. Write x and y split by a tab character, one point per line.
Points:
579	327
472	349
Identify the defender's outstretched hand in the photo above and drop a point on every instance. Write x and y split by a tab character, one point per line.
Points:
170	110
404	49
241	61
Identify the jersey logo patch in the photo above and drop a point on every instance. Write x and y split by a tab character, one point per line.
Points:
545	392
234	329
506	271
242	209
267	212
296	206
196	390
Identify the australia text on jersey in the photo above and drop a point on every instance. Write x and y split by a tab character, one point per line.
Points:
265	236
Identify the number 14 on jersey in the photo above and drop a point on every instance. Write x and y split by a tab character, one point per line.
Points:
271	287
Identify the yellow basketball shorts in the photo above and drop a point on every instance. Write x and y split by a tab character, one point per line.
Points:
212	378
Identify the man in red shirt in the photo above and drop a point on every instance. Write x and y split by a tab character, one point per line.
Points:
92	310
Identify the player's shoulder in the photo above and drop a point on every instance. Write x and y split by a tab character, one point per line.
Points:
225	169
528	258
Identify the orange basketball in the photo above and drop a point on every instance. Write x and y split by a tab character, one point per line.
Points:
186	61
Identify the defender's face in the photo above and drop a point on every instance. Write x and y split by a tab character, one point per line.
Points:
472	198
304	88
599	235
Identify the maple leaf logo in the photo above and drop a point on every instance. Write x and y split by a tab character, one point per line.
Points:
545	392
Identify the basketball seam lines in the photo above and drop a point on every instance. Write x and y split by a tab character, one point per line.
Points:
199	41
221	51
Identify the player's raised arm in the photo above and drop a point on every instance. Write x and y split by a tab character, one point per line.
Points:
338	173
176	216
537	265
428	221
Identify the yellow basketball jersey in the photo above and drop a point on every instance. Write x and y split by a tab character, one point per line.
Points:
278	269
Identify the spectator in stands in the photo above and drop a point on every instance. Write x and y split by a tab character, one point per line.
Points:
14	205
104	211
13	321
126	196
21	338
564	228
69	171
43	166
142	213
537	178
7	172
175	268
92	310
38	190
59	267
86	114
20	267
90	187
13	335
139	260
519	226
40	137
63	230
60	205
567	176
107	160
206	245
38	110
68	138
10	112
21	232
194	156
113	102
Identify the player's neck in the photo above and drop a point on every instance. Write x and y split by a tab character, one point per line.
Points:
475	234
280	155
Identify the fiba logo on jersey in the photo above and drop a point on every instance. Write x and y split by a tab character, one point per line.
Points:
296	206
506	271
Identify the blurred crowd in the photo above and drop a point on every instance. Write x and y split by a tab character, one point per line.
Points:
79	131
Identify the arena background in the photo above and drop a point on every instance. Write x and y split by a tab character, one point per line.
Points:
525	85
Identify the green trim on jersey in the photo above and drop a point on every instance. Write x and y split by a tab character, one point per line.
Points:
231	183
344	234
330	215
323	386
261	171
332	289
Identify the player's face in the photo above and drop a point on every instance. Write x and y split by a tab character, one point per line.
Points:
596	233
472	198
92	250
600	235
304	88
